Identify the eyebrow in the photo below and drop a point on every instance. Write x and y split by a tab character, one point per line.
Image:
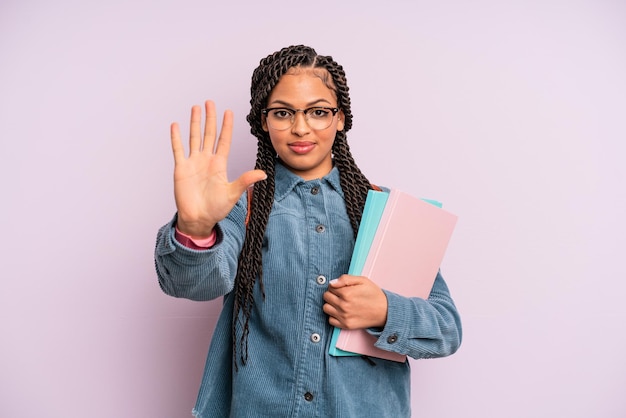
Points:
289	105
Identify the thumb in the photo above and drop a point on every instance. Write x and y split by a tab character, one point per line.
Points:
344	281
249	178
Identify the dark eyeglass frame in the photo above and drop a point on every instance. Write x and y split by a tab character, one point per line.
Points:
333	110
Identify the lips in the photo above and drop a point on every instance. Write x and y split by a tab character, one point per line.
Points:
301	147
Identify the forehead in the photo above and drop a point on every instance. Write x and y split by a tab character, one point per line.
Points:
302	86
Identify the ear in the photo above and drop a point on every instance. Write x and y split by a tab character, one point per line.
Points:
340	120
264	123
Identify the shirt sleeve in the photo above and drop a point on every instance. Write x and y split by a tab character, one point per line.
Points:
201	274
421	328
194	243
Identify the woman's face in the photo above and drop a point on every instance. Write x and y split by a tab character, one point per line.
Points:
304	151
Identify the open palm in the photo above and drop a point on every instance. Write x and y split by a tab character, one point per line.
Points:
203	194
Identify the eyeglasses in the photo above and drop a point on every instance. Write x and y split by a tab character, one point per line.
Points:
283	118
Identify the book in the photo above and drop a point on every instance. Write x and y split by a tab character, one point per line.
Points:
403	257
372	212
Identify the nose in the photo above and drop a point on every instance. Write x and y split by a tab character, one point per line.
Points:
300	126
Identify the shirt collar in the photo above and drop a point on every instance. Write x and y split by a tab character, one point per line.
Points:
286	181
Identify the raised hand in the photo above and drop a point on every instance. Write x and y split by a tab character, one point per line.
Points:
203	194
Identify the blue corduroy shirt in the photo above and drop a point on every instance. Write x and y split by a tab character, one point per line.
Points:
289	373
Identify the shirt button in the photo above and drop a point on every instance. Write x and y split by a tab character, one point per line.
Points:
321	279
320	228
315	190
392	339
315	338
308	396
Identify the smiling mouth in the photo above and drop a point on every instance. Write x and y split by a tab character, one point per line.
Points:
301	147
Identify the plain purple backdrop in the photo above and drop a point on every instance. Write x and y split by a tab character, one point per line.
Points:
511	113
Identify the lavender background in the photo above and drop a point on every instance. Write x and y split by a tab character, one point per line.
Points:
511	113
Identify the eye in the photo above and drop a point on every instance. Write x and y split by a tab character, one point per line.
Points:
282	113
318	112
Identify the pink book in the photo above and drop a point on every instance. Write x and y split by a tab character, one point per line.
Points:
404	258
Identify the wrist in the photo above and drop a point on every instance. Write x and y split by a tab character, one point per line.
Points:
194	231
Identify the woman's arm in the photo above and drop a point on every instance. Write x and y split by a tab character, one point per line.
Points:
201	274
421	328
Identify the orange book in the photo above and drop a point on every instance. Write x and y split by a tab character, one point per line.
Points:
404	258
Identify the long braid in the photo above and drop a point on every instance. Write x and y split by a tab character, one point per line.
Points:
249	265
353	182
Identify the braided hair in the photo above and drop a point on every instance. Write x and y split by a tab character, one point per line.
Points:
353	183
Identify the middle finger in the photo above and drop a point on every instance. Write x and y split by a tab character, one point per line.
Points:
210	128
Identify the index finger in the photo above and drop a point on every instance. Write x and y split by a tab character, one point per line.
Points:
226	134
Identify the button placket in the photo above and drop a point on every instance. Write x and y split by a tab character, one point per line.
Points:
317	222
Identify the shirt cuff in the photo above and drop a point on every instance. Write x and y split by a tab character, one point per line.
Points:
197	243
